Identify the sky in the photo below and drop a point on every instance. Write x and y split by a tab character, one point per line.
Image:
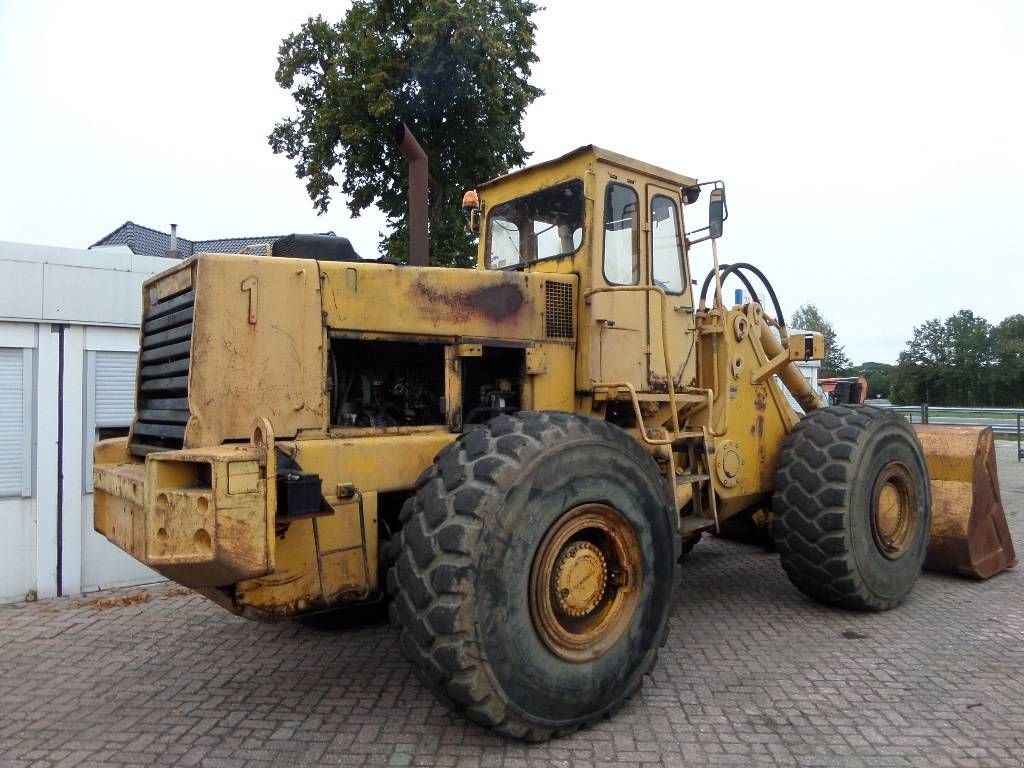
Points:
872	152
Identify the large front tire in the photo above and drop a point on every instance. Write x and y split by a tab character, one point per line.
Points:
534	572
852	507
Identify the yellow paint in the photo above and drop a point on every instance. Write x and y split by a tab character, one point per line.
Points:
293	586
243	477
382	463
257	348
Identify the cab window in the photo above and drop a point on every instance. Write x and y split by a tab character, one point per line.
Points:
621	235
544	225
666	245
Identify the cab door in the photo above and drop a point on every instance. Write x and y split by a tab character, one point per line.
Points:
666	266
619	317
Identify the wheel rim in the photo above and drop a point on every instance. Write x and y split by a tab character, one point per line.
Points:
894	511
585	582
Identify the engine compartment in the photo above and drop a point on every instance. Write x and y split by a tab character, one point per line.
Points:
402	383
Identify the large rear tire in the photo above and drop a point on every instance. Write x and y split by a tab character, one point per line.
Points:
852	507
534	572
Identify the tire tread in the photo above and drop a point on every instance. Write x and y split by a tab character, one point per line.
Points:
813	478
433	567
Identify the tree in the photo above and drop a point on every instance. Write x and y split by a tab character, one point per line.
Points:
809	318
1008	352
970	355
879	377
920	374
456	71
947	362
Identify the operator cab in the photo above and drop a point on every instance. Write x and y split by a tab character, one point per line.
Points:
616	223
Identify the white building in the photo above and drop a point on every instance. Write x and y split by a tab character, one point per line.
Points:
69	334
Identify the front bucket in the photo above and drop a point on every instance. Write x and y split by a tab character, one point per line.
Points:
969	534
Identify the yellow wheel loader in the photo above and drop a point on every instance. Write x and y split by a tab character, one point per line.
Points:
516	455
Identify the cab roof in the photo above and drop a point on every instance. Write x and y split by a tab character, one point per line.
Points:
602	155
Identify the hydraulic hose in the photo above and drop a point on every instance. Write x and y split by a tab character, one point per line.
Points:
735	269
789	373
740	275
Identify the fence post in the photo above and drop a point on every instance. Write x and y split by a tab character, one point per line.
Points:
924	413
1020	453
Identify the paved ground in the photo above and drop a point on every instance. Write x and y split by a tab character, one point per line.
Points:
753	674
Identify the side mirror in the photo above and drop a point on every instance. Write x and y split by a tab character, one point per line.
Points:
717	212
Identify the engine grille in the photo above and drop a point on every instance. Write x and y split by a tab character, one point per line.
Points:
163	375
558	310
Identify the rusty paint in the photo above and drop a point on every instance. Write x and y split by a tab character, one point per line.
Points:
649	409
657	384
495	302
419	242
761	404
584	595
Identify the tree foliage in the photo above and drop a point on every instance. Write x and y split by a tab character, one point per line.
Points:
879	378
1008	352
963	360
456	71
809	318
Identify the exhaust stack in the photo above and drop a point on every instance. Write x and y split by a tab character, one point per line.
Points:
419	246
173	252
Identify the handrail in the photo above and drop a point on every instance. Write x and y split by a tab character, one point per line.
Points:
954	408
1008	422
638	414
617	385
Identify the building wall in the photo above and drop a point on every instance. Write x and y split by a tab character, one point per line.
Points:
60	308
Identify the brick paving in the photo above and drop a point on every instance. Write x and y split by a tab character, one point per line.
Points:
753	674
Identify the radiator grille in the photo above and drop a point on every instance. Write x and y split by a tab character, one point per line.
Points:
558	310
163	375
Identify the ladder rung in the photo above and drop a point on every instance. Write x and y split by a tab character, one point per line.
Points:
697	478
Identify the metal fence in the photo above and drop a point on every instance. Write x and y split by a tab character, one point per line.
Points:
1005	422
